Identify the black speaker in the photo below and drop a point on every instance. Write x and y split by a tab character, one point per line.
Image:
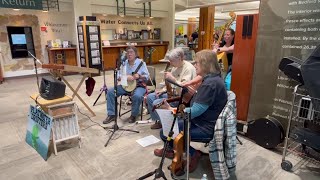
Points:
51	88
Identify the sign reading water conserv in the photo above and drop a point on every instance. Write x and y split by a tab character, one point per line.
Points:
21	4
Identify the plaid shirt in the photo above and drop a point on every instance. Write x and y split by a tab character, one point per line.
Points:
222	148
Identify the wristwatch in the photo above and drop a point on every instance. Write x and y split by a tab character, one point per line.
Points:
218	50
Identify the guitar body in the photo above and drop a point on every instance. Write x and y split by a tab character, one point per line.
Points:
223	61
131	86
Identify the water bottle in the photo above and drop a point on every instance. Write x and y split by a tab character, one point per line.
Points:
204	177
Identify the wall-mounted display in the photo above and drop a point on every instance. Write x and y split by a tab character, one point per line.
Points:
21	41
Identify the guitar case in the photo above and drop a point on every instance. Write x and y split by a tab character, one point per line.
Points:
266	132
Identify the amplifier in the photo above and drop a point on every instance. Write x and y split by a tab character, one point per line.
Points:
50	88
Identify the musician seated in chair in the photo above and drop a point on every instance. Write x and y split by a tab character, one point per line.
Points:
182	71
131	64
226	46
206	105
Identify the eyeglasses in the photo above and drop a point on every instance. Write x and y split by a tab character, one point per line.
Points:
196	63
131	52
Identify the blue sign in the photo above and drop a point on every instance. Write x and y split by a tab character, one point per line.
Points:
21	4
39	131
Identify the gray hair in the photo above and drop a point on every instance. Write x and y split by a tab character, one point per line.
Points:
176	54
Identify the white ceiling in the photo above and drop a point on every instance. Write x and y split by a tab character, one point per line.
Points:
190	8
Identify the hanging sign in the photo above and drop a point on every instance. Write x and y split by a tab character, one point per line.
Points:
21	4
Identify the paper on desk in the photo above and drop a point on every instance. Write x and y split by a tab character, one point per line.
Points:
166	118
146	141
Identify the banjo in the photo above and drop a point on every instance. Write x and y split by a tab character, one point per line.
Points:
131	85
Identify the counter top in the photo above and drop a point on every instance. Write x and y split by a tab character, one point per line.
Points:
138	45
59	49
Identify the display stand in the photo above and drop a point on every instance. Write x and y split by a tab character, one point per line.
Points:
89	42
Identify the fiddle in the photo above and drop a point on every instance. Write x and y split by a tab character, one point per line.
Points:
177	164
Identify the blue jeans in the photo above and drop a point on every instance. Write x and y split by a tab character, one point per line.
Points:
152	100
195	134
136	98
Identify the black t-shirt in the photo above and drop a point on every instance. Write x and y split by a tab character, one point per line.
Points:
212	92
229	55
194	36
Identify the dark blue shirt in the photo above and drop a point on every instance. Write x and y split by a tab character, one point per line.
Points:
211	92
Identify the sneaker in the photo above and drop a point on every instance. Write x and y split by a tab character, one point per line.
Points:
156	125
169	153
132	119
109	119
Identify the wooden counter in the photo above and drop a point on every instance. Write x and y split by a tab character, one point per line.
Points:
111	53
66	56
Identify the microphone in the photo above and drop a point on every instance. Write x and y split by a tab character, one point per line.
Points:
37	60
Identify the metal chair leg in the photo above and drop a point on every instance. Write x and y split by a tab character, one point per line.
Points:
239	140
120	106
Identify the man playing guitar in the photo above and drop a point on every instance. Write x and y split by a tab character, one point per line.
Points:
182	71
131	65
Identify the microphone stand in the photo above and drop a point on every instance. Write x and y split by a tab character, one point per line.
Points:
35	67
158	173
115	127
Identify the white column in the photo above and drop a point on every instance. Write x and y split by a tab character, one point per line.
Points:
168	27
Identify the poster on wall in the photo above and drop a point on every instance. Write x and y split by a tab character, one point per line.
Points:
39	131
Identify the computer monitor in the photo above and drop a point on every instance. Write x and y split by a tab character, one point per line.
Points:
18	39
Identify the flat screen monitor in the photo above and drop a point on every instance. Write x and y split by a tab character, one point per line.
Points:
18	39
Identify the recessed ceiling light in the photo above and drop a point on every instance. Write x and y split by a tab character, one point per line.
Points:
151	17
104	14
44	11
16	9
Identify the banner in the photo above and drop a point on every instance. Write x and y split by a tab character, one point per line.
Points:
21	4
39	131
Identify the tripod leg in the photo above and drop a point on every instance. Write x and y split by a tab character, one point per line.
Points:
147	175
97	98
113	131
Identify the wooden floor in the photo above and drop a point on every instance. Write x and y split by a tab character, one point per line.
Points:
123	158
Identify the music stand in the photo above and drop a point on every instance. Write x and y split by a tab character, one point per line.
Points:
115	127
158	173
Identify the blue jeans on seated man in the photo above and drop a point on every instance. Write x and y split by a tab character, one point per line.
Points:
152	100
136	98
195	134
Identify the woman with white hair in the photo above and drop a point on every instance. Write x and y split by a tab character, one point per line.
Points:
206	105
182	71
